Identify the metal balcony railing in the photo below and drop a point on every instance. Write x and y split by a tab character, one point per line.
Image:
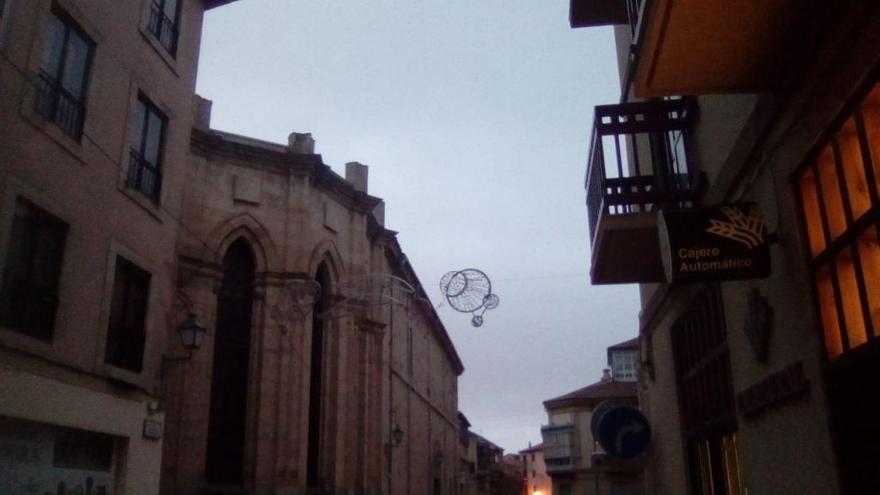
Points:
633	10
163	28
637	159
59	105
560	447
144	176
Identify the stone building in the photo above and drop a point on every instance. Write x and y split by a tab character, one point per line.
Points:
327	370
123	216
761	382
95	108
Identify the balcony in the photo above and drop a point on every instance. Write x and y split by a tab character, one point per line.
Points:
143	176
637	165
714	46
561	452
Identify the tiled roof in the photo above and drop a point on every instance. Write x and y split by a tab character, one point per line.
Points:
594	393
533	448
632	343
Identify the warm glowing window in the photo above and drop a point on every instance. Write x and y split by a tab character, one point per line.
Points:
839	199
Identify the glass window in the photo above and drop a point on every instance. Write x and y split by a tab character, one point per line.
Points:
126	334
838	195
37	458
63	76
32	270
148	136
164	23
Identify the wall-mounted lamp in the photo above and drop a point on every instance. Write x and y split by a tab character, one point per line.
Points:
397	435
191	334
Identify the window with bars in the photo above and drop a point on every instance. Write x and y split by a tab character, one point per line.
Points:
705	392
63	76
145	155
126	334
32	271
838	192
164	23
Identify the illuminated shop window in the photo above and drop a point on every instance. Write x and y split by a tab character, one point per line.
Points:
839	200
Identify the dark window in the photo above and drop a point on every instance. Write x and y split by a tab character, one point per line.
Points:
29	294
128	311
145	168
705	391
165	23
79	449
64	70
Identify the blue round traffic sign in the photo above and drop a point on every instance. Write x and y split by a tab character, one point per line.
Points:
623	431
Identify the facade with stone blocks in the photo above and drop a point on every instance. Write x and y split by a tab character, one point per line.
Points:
118	220
352	389
95	109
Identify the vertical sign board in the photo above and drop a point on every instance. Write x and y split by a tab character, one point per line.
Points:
714	243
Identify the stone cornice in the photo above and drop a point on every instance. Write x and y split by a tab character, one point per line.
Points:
401	266
208	144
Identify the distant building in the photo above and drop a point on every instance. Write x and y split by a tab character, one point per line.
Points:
483	469
623	360
537	481
574	460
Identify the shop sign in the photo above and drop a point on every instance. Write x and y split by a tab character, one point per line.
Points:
782	386
622	431
713	243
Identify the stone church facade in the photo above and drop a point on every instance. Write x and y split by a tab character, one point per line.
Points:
324	368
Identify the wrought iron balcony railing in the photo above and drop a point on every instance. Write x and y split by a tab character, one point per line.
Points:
59	105
637	161
163	28
144	176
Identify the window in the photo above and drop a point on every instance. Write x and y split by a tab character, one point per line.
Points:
44	458
31	272
839	200
128	311
64	70
145	167
705	392
164	23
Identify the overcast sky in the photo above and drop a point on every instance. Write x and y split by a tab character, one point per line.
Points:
474	117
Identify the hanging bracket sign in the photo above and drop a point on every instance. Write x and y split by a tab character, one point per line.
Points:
714	243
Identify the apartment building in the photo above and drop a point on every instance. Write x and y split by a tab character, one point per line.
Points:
537	481
573	458
755	120
95	107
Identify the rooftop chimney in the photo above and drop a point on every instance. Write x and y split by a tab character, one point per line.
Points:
301	142
356	175
202	112
606	375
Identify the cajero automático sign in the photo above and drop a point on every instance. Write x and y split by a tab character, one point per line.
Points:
713	243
